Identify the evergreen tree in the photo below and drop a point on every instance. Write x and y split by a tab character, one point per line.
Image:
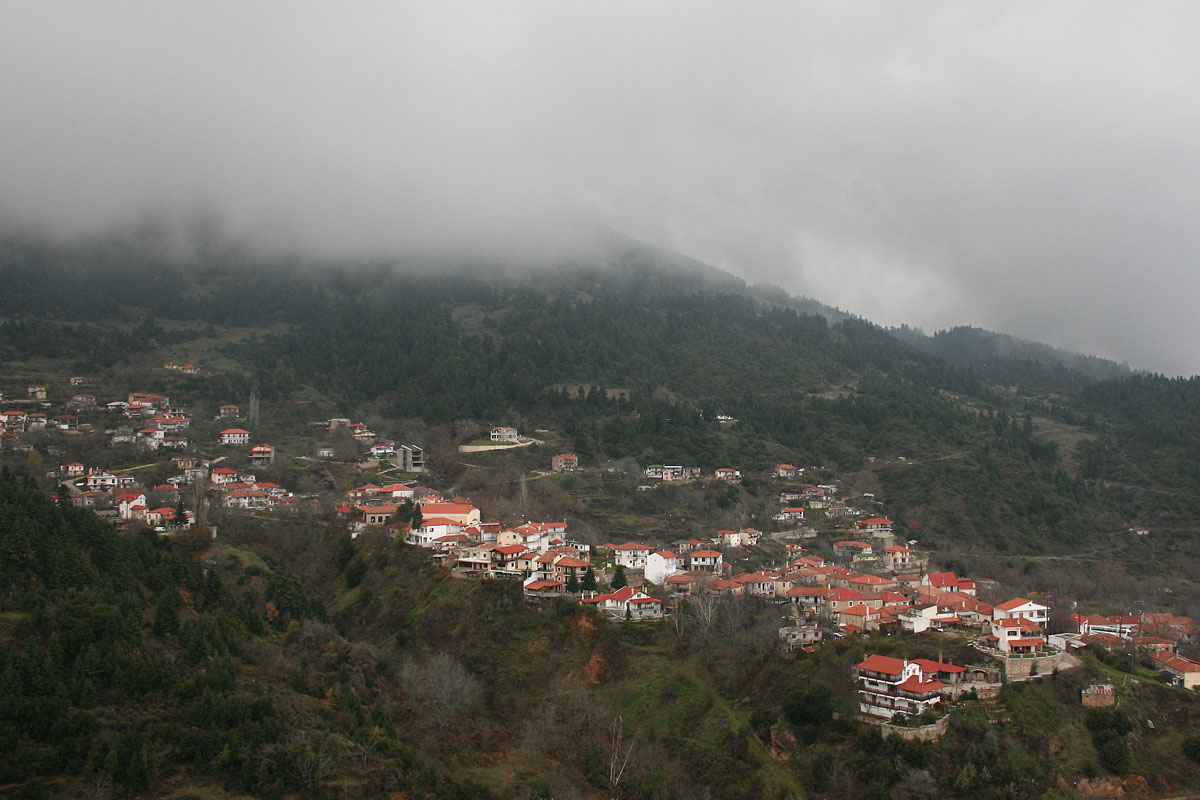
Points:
166	616
619	581
589	580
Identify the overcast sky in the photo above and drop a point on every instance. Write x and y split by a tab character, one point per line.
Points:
1031	167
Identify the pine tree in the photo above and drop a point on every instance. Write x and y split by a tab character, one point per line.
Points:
589	580
166	616
619	581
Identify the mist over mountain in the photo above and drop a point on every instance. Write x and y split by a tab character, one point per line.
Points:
995	355
1026	169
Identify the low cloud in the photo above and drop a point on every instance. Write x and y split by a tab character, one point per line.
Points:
1026	167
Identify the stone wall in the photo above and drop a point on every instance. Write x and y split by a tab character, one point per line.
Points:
1023	669
923	733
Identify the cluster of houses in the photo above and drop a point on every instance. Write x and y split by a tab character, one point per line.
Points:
122	498
676	472
1157	635
186	369
159	425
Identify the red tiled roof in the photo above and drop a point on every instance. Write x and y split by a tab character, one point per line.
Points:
917	686
537	586
1177	663
1016	602
883	664
934	667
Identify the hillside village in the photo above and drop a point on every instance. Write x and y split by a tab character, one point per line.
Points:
850	577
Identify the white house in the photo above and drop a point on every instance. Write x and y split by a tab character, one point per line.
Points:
100	481
1021	608
1017	635
889	686
918	618
432	528
662	565
504	434
731	539
223	475
630	555
235	436
628	602
705	561
126	503
790	514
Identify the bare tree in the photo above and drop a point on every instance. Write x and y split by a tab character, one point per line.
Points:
618	755
677	620
441	687
96	787
704	610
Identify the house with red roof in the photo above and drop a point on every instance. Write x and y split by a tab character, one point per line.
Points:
1016	635
1184	672
874	525
127	502
99	480
564	462
627	603
786	471
722	587
430	530
158	401
537	590
235	436
222	476
897	558
1021	608
462	513
947	582
888	686
838	600
758	584
630	555
790	514
504	434
869	583
261	454
565	565
859	617
705	561
810	599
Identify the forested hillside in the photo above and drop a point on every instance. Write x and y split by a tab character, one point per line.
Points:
285	659
634	356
